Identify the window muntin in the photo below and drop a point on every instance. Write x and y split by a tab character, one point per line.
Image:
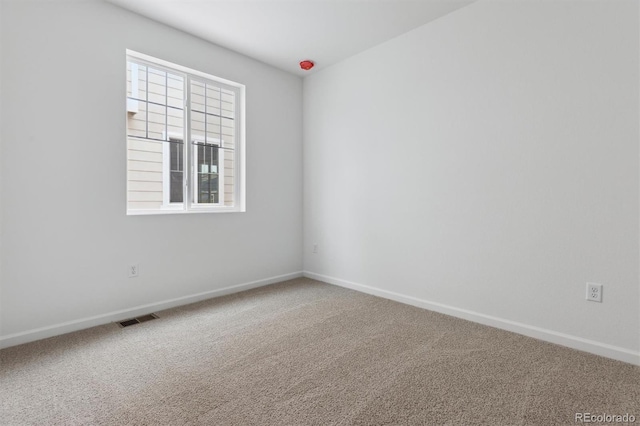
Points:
166	105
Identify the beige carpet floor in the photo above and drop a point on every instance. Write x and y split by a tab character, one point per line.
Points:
306	353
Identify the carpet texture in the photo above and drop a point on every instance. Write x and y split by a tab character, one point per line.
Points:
303	352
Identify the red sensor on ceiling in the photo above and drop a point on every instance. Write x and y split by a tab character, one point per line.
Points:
306	65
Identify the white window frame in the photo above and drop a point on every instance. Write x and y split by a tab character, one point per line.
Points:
190	204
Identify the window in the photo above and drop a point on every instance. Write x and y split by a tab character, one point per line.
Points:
169	104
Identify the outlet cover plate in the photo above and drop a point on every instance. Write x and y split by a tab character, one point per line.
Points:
594	292
134	270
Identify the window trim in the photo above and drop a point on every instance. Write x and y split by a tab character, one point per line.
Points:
190	205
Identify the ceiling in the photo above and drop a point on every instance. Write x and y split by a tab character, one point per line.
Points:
284	32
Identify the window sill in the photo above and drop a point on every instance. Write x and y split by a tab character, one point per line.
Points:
192	211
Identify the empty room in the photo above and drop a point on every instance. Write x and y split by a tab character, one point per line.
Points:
319	212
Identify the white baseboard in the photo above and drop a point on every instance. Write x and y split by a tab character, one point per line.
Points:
574	342
80	324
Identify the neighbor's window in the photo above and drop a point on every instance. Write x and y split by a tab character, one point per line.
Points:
169	104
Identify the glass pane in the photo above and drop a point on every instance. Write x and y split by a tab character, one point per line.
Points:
155	128
145	161
176	161
229	174
213	130
156	121
176	187
175	91
175	123
197	126
157	86
136	81
213	100
207	188
227	104
155	102
206	172
228	133
197	96
176	157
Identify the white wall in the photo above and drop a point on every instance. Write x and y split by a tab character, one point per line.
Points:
66	240
486	164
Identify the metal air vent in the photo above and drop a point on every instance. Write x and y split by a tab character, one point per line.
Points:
138	320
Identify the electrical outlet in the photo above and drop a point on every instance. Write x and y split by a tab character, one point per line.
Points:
594	292
315	248
134	270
